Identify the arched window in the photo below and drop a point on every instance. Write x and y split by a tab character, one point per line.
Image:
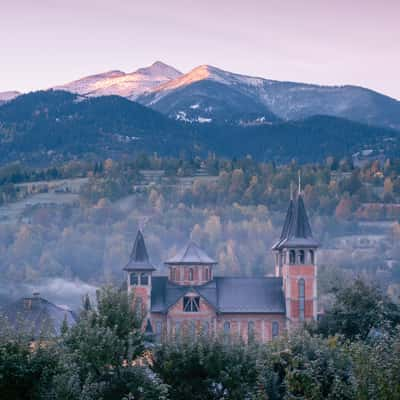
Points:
302	257
158	330
292	257
227	328
207	274
301	298
250	331
312	258
177	328
144	279
134	278
190	274
205	328
275	329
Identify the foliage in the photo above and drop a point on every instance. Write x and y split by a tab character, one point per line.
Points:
360	310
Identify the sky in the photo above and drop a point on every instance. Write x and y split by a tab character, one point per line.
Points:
44	43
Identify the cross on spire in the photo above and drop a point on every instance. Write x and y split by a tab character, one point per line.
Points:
299	182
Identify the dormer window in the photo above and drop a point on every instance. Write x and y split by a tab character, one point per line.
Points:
191	304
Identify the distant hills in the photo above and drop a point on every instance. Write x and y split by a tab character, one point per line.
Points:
52	126
210	95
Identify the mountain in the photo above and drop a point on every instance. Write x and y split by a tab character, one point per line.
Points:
211	94
51	126
129	85
7	96
56	125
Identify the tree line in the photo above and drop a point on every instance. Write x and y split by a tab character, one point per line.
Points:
107	356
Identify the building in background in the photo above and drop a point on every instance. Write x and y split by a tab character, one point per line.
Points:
192	301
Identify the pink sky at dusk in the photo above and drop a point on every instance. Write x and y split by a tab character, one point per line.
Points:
49	42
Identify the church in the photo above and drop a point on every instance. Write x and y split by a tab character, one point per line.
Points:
191	300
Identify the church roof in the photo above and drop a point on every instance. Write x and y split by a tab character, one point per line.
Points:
191	254
226	295
296	231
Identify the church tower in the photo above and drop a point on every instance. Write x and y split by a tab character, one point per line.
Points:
139	274
295	262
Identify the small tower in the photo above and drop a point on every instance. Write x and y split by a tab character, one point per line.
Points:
295	262
191	266
139	273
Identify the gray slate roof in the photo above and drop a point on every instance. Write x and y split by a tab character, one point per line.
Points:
42	315
296	231
139	258
191	254
226	295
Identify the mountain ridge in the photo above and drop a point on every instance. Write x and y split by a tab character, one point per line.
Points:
209	94
51	126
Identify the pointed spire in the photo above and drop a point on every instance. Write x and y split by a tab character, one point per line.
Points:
139	251
296	231
139	258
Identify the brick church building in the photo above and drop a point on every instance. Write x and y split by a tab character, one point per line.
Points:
192	301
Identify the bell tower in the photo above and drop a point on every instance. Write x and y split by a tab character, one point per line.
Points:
139	275
295	262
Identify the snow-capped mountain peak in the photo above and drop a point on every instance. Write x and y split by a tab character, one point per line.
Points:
130	85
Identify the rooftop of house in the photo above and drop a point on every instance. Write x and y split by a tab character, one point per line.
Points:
38	316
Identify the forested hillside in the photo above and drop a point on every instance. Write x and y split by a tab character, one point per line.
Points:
50	127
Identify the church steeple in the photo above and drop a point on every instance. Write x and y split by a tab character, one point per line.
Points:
295	262
139	275
139	258
296	231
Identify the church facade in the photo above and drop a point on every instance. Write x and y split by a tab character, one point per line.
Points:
191	300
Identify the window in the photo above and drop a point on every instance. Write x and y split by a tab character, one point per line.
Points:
292	257
301	298
191	304
250	331
227	328
275	329
158	330
134	279
190	274
302	258
207	274
312	257
144	279
177	328
173	274
205	328
227	332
